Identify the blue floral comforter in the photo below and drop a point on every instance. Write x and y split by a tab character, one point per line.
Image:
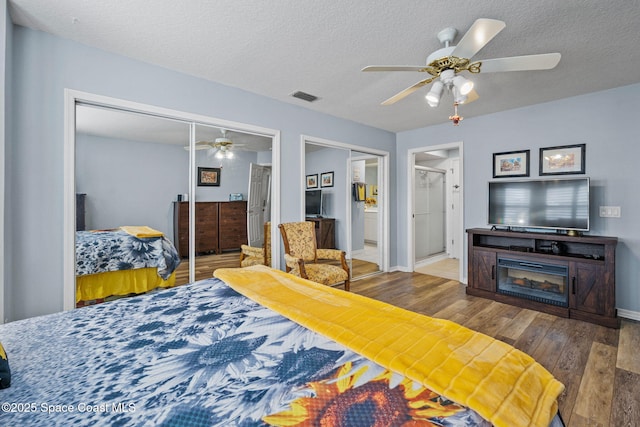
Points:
113	250
200	355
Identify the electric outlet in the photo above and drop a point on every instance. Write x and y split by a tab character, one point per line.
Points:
610	211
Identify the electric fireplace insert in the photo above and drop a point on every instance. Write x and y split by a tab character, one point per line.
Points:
536	281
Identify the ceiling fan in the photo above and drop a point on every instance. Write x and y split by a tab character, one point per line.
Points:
221	146
445	64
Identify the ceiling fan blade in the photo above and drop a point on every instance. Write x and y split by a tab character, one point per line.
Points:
408	91
545	61
480	33
395	68
200	145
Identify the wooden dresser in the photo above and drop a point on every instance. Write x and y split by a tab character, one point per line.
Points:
219	226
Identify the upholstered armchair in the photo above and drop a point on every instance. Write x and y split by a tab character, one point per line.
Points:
301	255
250	255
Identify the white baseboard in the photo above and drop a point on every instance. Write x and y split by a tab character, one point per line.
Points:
402	268
629	314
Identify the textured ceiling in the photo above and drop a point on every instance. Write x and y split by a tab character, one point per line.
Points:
275	48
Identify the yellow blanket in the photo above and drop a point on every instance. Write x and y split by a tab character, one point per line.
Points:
504	385
141	231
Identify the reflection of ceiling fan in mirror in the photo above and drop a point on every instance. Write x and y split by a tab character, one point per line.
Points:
220	147
444	65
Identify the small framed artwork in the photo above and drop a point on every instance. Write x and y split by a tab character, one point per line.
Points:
326	179
511	164
208	177
568	159
312	181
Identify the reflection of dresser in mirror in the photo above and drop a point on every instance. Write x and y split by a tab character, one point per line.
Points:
219	226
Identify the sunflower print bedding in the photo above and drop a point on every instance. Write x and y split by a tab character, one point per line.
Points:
100	251
202	355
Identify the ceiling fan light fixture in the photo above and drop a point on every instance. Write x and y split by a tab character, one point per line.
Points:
458	97
434	95
463	84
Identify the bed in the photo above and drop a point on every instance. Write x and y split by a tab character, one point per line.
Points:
223	352
123	261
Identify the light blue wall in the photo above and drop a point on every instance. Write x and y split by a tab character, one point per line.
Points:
234	175
43	66
130	182
607	122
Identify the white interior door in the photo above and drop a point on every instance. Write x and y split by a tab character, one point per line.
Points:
258	185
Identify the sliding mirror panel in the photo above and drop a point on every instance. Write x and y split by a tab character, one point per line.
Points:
232	196
130	169
365	215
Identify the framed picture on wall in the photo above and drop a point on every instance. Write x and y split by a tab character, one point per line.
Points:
312	181
568	159
326	179
511	164
208	177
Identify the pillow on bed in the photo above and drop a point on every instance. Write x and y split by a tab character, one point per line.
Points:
5	372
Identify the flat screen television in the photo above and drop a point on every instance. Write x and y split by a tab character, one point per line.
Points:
560	204
313	203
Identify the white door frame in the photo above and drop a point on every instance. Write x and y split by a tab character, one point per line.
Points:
72	97
411	155
383	200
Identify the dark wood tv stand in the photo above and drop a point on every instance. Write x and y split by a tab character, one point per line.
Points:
325	232
589	261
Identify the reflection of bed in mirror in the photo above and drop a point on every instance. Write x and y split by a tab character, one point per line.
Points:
123	261
225	352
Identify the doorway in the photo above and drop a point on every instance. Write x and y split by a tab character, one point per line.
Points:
321	157
435	243
430	220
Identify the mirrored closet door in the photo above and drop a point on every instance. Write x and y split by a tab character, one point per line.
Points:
180	179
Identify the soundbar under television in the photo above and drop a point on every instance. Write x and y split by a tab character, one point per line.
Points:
559	204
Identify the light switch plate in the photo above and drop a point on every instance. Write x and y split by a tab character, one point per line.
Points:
610	211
